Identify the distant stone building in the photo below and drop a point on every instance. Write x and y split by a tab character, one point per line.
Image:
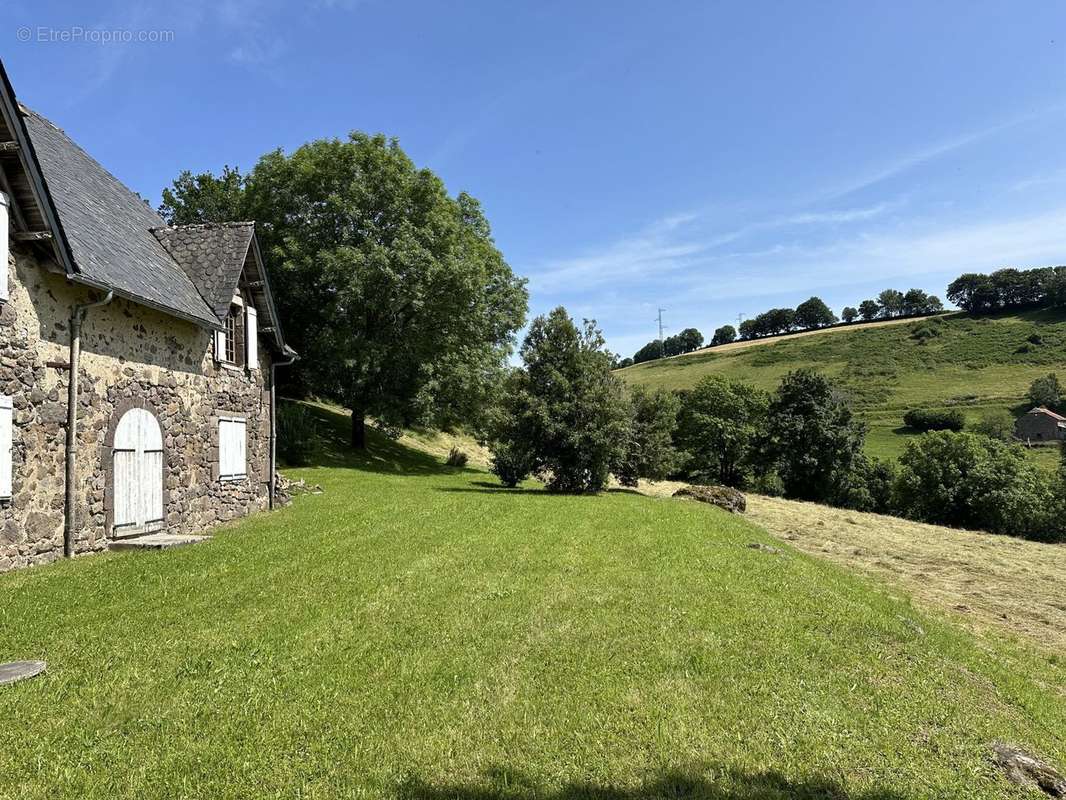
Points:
1041	425
136	359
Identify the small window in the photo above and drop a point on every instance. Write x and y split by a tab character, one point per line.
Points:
5	447
231	337
229	342
232	449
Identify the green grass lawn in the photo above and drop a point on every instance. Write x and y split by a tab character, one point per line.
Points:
416	632
973	364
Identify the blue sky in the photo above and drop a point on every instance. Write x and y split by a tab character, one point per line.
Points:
710	158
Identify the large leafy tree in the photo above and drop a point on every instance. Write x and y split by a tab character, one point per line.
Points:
650	449
193	199
812	437
814	313
724	335
650	352
718	428
890	302
564	416
1046	391
869	310
915	301
394	293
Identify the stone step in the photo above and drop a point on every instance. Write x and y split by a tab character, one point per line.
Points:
155	541
20	670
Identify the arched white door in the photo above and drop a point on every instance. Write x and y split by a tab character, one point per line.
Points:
138	471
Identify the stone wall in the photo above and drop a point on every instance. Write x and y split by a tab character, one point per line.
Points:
131	356
1037	427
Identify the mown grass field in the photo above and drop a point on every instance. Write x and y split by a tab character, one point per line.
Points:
973	364
417	632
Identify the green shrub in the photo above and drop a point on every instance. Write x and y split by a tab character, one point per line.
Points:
971	481
925	332
1046	391
869	486
769	484
931	419
650	450
564	415
510	465
717	430
456	458
297	433
813	437
996	424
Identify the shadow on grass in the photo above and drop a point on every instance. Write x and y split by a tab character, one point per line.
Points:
382	454
484	487
725	784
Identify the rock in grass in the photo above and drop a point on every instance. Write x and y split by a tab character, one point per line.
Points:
1024	769
722	496
766	548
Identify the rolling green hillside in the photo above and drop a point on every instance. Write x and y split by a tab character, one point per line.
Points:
973	364
416	632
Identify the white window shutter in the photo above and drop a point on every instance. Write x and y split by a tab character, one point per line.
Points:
240	432
5	243
5	445
251	337
232	448
220	345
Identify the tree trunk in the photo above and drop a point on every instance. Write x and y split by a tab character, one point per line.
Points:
358	430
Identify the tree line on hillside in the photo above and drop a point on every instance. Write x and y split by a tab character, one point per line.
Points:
811	314
1009	288
685	342
568	420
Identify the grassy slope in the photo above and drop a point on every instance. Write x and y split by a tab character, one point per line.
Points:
973	364
416	632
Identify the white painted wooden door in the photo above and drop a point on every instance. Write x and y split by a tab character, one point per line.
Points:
138	471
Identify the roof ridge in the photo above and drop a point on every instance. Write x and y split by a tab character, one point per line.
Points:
1048	411
205	226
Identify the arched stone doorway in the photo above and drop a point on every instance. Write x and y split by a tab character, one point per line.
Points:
137	474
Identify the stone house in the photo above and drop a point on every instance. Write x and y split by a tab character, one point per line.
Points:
137	360
1040	425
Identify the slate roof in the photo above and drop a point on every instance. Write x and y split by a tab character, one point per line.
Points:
1048	413
212	255
109	228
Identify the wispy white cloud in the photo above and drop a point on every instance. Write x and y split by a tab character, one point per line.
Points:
1043	179
927	153
672	244
713	287
913	253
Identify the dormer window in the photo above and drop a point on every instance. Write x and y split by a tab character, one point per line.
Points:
237	343
233	326
229	342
